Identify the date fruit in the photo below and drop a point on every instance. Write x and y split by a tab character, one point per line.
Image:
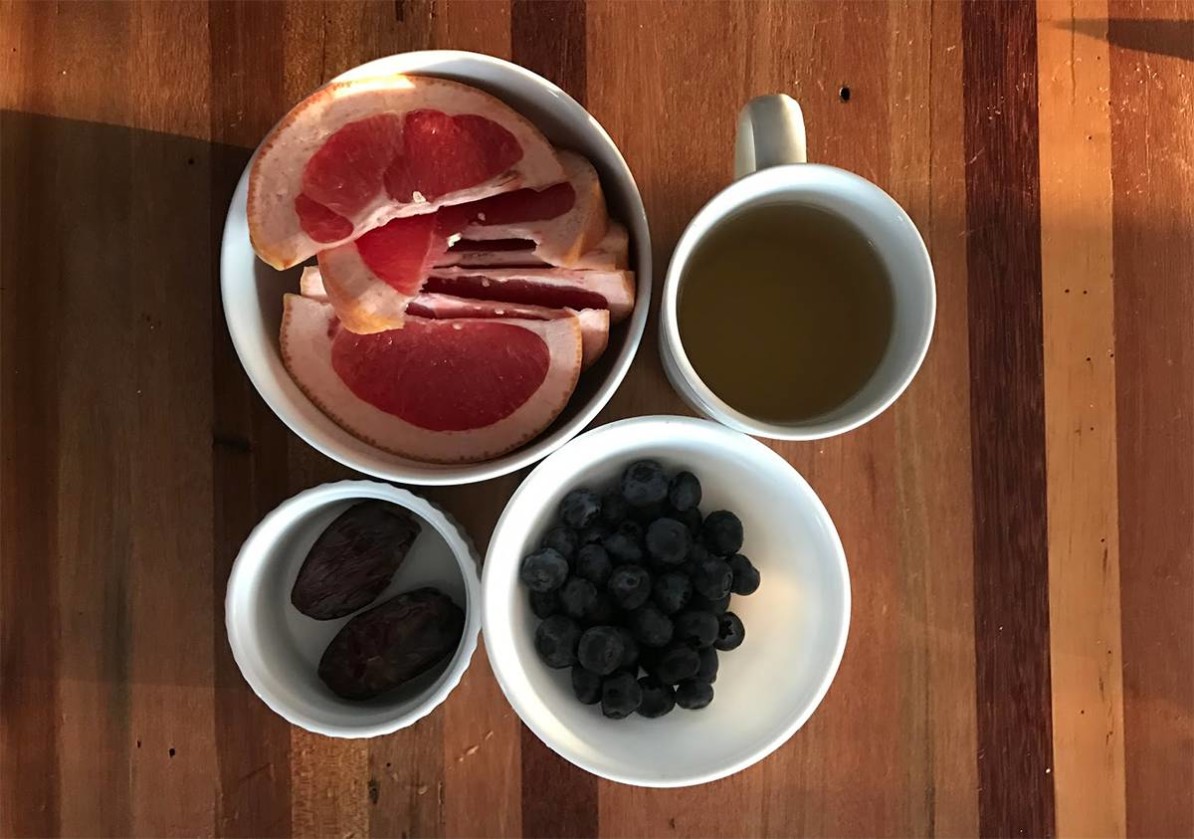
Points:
392	643
353	561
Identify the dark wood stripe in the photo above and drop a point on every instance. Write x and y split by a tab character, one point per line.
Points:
1153	252
559	801
248	447
29	647
549	38
1011	569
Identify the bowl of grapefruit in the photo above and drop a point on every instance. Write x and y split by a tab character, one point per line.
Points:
436	268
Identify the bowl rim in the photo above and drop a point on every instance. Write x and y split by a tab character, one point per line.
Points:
265	378
248	564
725	437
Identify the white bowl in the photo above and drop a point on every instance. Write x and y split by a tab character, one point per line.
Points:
252	291
278	648
796	623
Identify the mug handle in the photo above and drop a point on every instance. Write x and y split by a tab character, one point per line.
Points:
770	133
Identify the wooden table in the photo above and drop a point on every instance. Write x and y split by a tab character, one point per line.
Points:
1020	526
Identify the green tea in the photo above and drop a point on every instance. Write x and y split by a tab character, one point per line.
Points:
785	311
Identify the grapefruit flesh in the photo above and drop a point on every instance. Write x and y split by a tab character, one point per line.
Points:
440	391
551	287
424	157
400	253
354	155
346	172
394	372
370	280
442	154
563	221
594	323
612	253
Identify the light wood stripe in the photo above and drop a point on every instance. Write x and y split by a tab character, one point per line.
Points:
328	786
1079	318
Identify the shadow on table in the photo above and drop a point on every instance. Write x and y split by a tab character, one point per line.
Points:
136	456
1163	37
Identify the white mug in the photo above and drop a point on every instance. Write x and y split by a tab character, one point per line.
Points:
770	165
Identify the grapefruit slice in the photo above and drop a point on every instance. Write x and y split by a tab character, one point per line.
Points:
357	154
556	288
440	391
563	221
594	323
610	254
370	280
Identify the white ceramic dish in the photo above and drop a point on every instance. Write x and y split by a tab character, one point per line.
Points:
796	623
252	291
278	648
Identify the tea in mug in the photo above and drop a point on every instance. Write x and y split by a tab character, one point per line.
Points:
785	311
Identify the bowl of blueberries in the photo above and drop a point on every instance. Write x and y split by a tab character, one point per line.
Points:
665	601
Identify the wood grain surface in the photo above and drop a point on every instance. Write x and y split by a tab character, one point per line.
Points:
1019	526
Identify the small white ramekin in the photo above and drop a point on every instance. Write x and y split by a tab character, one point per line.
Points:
278	649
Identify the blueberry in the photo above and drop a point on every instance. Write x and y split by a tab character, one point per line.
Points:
708	670
544	570
556	639
696	629
684	492
620	696
690	518
712	579
562	539
580	507
651	627
602	612
746	576
671	592
694	695
700	603
730	632
668	541
545	603
677	663
614	508
722	532
644	483
658	698
630	656
601	650
647	513
648	658
625	543
595	532
697	554
578	597
592	564
629	586
633	529
586	685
